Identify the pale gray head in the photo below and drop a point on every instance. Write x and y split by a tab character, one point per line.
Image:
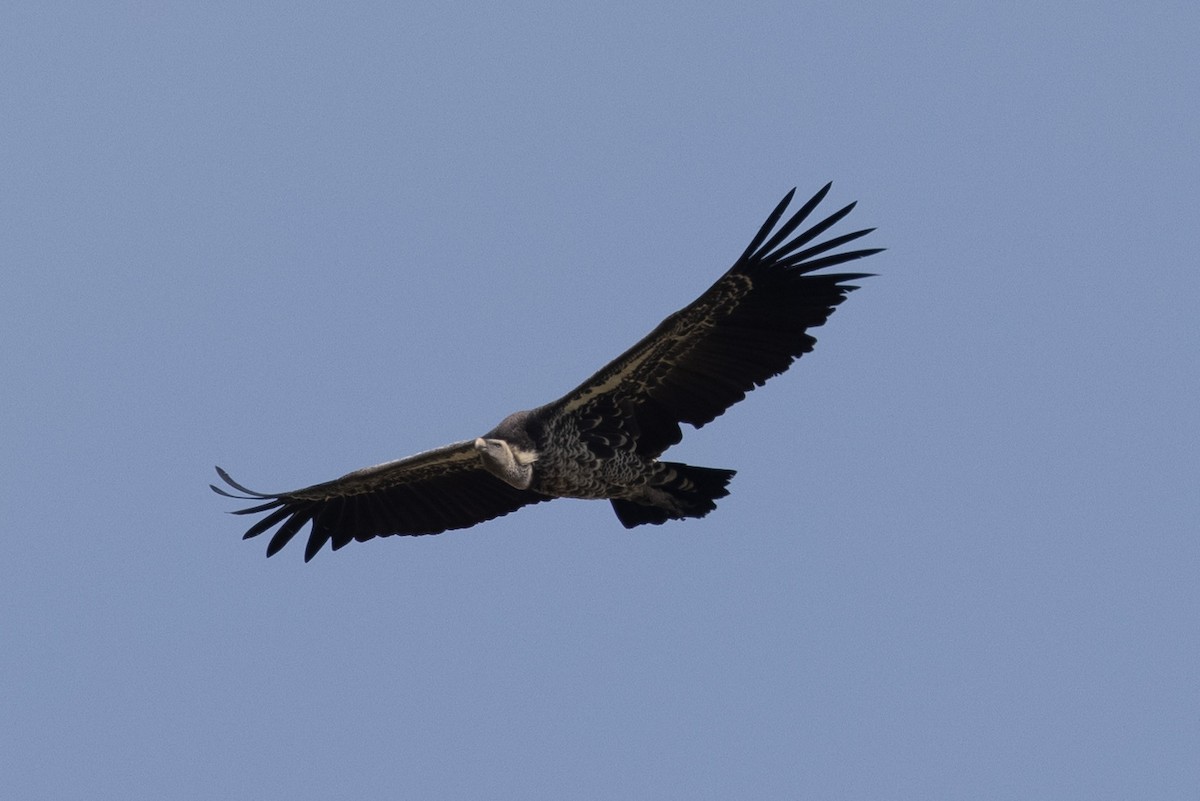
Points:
510	464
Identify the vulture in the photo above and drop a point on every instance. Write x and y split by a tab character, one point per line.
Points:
603	439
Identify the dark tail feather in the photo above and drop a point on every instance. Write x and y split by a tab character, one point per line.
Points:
682	491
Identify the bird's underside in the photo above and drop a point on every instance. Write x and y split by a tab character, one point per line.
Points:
602	440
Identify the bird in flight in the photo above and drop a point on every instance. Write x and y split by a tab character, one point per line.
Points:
602	439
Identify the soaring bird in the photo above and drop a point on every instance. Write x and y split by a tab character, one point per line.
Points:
603	438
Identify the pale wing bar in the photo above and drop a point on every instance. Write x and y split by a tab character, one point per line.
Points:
425	494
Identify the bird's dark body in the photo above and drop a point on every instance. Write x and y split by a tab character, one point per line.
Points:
571	464
592	455
603	439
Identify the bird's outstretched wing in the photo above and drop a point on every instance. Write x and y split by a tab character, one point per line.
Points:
750	325
431	492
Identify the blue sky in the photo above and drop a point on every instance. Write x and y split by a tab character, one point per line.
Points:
960	557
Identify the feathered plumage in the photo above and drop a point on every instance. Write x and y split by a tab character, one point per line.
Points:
602	439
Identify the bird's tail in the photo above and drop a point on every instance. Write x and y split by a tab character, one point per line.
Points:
678	491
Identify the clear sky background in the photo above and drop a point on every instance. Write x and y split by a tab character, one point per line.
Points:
962	555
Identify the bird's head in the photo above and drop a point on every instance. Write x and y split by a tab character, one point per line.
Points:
509	464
